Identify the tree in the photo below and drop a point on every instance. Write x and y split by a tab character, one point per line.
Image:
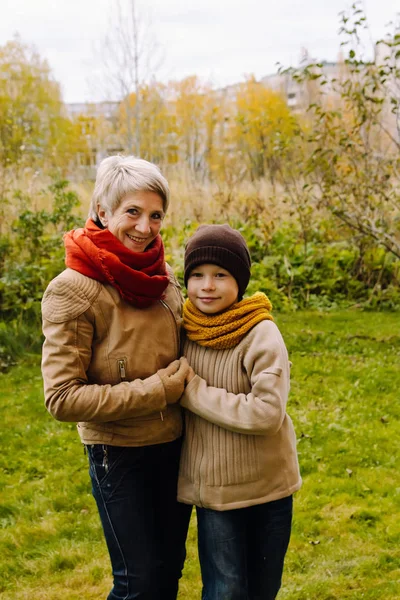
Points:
194	116
351	161
263	123
34	130
155	121
129	58
30	101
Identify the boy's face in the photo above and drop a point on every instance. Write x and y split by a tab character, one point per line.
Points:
212	289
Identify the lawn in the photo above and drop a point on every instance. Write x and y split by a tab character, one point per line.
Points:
346	534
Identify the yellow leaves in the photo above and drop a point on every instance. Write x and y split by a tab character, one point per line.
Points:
262	127
30	105
262	108
190	98
223	134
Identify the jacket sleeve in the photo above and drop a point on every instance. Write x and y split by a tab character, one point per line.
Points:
68	394
262	411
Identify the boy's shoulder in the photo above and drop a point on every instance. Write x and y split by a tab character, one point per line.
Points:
265	327
265	336
265	332
264	345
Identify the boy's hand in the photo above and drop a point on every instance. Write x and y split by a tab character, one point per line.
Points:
173	378
190	375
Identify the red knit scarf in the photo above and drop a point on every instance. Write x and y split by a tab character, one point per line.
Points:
140	277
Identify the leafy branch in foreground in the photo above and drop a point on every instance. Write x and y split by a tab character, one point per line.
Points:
351	145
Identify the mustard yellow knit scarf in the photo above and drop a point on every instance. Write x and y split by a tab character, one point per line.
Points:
226	329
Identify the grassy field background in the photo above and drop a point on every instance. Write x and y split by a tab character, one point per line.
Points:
346	535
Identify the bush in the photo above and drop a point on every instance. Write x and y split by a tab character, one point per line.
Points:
330	271
31	254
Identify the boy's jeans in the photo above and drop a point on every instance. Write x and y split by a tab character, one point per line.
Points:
242	551
144	526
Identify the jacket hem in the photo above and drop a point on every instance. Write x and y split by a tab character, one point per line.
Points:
129	443
243	503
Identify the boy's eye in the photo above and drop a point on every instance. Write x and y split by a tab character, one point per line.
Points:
219	275
196	275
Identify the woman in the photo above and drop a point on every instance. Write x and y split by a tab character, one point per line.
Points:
110	362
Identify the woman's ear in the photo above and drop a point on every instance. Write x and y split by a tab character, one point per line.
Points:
101	213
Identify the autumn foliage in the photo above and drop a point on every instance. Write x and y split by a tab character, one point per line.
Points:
315	190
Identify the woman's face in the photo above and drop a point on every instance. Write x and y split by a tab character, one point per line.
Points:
136	221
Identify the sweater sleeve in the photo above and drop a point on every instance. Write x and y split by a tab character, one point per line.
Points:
68	394
262	411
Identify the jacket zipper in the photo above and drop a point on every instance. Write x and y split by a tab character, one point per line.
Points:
121	367
176	327
169	310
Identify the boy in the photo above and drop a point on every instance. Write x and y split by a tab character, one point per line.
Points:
239	462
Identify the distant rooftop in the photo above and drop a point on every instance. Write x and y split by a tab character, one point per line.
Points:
105	109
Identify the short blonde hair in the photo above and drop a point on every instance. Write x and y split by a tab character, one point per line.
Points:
118	176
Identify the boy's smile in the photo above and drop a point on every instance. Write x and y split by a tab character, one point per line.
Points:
212	289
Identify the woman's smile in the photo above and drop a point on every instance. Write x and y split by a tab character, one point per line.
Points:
137	239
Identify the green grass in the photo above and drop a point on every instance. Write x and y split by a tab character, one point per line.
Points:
346	534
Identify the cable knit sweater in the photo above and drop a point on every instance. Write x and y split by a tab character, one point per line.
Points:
240	445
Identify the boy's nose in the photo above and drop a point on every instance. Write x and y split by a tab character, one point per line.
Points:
208	283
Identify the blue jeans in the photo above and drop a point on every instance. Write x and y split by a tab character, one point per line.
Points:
144	526
242	551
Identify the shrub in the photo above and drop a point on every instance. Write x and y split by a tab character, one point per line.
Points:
31	254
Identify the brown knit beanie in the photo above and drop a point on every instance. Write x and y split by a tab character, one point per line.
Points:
223	246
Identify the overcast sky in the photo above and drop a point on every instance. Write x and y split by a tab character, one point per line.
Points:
219	40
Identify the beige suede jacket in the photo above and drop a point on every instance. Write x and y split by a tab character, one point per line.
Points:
100	361
240	446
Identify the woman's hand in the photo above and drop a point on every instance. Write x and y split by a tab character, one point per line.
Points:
173	378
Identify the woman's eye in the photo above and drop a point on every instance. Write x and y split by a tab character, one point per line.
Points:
133	211
156	216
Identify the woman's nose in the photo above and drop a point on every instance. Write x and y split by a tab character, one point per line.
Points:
143	225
